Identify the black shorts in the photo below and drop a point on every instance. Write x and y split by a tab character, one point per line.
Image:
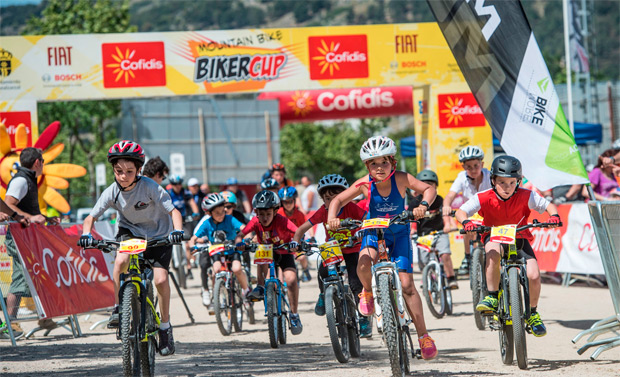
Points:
159	256
524	249
286	261
230	257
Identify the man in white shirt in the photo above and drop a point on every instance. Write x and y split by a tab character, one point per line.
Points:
310	200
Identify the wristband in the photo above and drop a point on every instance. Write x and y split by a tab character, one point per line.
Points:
424	203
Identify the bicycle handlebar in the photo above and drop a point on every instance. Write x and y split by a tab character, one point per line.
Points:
534	224
108	246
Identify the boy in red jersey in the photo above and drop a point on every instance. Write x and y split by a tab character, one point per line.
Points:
274	229
507	204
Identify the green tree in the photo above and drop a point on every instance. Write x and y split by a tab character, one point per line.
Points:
88	127
315	149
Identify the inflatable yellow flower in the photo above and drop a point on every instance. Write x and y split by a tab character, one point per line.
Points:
53	176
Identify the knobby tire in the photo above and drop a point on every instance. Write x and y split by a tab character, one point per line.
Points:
352	324
222	307
390	327
478	290
338	332
272	314
130	322
431	282
148	349
518	325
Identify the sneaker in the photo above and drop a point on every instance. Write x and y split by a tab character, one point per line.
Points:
365	327
537	325
367	303
319	308
305	277
47	324
114	319
488	304
296	326
427	346
166	342
206	297
452	284
17	331
190	276
257	293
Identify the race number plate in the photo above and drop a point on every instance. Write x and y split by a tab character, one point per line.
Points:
132	246
264	254
378	223
504	234
331	253
426	242
215	249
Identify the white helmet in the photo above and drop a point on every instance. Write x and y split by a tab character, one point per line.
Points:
471	152
212	200
377	146
332	180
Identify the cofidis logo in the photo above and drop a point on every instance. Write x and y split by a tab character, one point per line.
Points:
338	57
459	110
129	65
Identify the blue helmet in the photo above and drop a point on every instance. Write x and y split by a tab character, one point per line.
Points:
266	175
286	193
232	181
229	196
175	179
269	183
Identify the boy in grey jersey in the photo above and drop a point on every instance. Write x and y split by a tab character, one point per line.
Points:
145	210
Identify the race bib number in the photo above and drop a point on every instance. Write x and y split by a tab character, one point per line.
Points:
426	242
132	246
215	249
331	253
378	223
264	254
504	234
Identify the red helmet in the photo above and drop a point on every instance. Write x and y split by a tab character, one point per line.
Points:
126	149
278	167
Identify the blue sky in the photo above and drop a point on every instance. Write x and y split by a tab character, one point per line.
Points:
6	3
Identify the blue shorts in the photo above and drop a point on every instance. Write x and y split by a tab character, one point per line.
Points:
399	248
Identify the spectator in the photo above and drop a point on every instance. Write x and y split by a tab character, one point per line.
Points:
22	196
205	189
603	176
243	204
309	197
156	169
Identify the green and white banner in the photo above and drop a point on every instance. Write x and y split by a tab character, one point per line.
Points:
495	48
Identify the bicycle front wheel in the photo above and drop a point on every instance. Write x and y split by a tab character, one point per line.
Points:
336	324
129	328
273	320
478	290
222	307
149	348
352	324
390	326
237	305
431	285
506	341
518	325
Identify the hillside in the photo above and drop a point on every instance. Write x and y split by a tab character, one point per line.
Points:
177	15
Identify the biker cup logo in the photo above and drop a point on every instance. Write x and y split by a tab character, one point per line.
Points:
459	110
239	67
6	59
338	57
135	64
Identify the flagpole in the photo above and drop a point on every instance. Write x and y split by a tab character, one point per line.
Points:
569	79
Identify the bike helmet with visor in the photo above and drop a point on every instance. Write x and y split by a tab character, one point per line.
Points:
428	175
211	201
377	146
471	152
175	179
332	180
126	149
265	199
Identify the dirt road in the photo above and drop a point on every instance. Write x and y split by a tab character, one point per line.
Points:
202	351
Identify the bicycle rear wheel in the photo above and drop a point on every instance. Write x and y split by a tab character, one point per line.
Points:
249	305
518	325
449	303
129	328
390	326
352	324
282	329
506	341
222	307
478	290
336	324
273	321
149	348
431	285
236	304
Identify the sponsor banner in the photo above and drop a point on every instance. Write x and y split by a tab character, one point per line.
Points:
102	66
571	248
580	62
12	119
459	110
63	279
312	105
512	86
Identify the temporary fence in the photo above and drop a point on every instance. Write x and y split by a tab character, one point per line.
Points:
606	221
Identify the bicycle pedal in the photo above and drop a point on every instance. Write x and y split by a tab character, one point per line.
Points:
417	354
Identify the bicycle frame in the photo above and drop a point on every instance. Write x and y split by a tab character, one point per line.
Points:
509	260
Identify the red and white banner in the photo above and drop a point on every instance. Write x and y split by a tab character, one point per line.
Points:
571	248
312	105
63	279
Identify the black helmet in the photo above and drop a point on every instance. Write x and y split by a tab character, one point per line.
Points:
266	199
506	166
427	175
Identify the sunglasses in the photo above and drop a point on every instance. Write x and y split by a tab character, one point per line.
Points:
229	207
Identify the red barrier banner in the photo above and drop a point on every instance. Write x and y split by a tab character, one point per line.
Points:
312	105
63	279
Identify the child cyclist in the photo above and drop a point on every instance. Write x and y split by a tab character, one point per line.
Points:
274	229
385	187
435	223
145	210
288	195
329	187
474	178
507	203
218	228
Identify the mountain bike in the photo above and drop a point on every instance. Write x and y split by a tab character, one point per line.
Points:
514	295
340	307
434	280
390	309
276	297
138	319
228	301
